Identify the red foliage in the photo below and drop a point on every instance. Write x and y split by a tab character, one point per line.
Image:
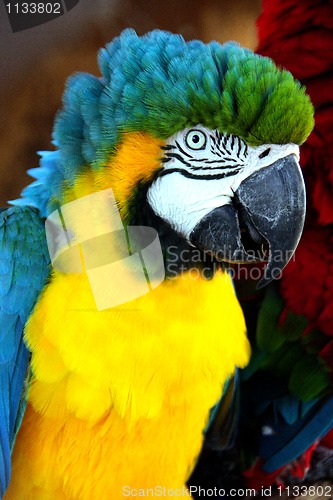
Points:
307	284
257	478
298	35
327	440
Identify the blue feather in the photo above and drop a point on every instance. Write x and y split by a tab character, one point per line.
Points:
289	442
45	191
22	237
289	408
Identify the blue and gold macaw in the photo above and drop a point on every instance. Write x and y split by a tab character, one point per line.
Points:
200	143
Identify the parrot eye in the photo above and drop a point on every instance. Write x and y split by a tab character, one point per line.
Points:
195	139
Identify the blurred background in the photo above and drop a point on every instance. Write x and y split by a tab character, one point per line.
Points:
35	63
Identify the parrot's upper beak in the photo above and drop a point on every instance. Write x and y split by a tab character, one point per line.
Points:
264	222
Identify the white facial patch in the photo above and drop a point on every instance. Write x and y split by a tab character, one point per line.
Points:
183	202
202	170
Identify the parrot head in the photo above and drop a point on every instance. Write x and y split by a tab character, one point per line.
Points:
240	203
201	140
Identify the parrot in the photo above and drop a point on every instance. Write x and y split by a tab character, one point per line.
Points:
112	364
286	425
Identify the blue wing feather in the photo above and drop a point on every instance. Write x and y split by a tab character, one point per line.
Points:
289	441
24	269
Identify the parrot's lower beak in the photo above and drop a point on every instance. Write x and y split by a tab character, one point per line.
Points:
264	222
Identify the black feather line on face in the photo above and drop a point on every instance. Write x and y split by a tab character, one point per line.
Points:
187	174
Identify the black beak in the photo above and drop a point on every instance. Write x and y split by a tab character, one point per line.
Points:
264	222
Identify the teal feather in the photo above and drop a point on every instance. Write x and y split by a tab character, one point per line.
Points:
43	193
23	273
